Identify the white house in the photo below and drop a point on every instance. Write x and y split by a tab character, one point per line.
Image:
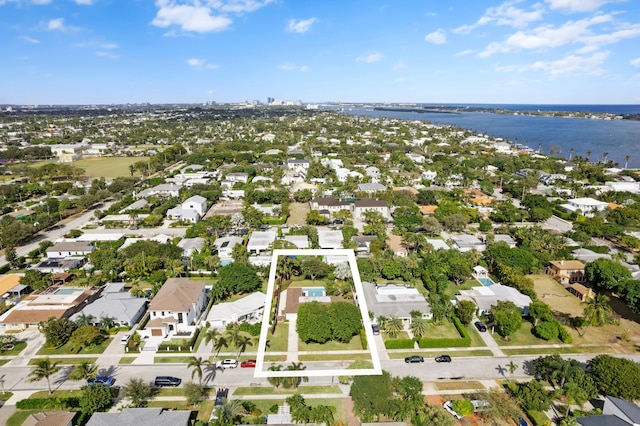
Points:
237	177
162	190
225	246
587	206
295	164
428	175
359	207
487	296
70	248
466	242
179	303
260	241
247	309
191	210
329	239
191	246
395	300
196	203
116	303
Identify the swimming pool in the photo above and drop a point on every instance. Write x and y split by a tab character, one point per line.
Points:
314	292
486	281
65	291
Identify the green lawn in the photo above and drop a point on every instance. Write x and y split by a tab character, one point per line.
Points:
524	336
4	361
171	359
270	390
204	408
279	341
107	167
18	418
459	385
64	349
57	394
560	351
401	335
340	414
474	334
5	396
67	361
453	289
354	344
127	360
442	330
17	348
335	357
275	358
306	283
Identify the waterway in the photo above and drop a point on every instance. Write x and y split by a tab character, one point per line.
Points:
618	138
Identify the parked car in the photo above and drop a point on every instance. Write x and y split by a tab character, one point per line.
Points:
480	326
125	339
167	381
101	380
250	363
414	358
227	363
448	406
443	358
375	329
221	394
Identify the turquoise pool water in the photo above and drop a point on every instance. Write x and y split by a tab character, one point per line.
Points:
486	281
65	291
313	292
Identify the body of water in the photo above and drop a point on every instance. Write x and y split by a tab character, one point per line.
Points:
619	138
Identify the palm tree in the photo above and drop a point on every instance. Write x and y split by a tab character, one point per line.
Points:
588	154
233	335
419	326
605	155
571	151
197	364
626	161
211	335
323	414
220	343
597	312
83	371
394	326
294	382
107	322
84	319
227	413
43	369
512	367
242	343
275	381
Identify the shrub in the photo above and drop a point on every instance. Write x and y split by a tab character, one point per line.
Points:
462	407
252	329
273	409
48	403
363	339
564	335
546	330
399	344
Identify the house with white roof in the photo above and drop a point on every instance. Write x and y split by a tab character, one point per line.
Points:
225	246
487	296
298	165
329	238
191	246
162	190
372	187
395	300
260	241
191	210
428	175
300	241
466	242
360	207
586	206
248	309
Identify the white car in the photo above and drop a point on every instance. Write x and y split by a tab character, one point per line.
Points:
448	406
125	339
227	363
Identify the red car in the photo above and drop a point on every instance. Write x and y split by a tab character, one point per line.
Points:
250	363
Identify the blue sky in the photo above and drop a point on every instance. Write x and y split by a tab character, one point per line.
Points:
456	51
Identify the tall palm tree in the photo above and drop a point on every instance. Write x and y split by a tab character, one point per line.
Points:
571	151
394	326
598	311
107	322
220	343
43	369
242	343
83	371
322	414
211	335
233	335
227	413
419	326
197	363
605	155
626	161
294	382
275	381
84	319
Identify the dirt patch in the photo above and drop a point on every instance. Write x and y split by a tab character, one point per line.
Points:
298	213
625	336
94	159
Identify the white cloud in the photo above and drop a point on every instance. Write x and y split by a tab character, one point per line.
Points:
300	25
201	64
398	66
400	80
576	5
436	37
202	16
104	54
465	52
98	45
635	62
59	25
571	32
370	57
189	17
36	2
292	67
569	65
84	2
506	14
30	39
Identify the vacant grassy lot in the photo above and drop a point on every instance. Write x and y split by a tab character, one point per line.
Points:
564	305
576	349
298	214
354	344
64	349
278	342
108	167
335	357
17	348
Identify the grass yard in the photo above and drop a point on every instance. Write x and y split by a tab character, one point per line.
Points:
306	283
64	349
335	357
564	305
4	361
270	390
354	344
127	360
57	394
298	213
204	408
108	167
581	349
453	289
442	330
67	361
401	335
19	417
171	359
340	414
17	348
278	342
459	385
275	358
525	336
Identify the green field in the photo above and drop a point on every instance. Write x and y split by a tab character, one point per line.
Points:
107	167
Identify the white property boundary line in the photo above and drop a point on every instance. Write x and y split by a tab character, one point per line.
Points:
364	312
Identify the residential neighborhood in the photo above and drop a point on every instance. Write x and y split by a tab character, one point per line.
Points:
469	251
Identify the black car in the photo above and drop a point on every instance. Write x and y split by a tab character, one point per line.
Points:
221	395
167	381
413	358
443	358
375	329
480	326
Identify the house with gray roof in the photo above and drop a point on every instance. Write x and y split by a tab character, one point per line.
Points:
260	241
371	187
486	297
615	412
466	242
70	248
248	309
117	303
190	246
142	417
395	300
329	238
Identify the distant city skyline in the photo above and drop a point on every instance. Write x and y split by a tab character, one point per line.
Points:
225	51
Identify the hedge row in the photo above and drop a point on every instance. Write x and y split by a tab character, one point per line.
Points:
363	339
449	342
48	403
399	344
